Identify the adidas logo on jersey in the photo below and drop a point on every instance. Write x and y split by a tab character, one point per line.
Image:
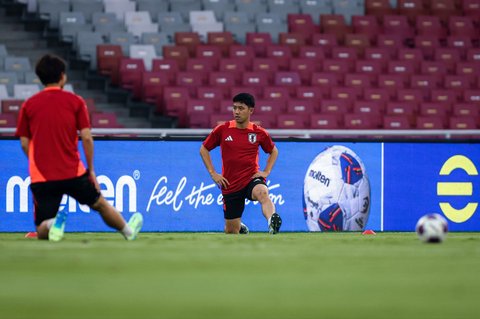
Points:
229	138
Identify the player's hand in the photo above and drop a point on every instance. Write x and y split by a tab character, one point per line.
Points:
221	181
261	174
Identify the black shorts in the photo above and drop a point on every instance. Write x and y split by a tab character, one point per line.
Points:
234	203
48	195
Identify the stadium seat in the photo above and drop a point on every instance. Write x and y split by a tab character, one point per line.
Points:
289	79
108	61
378	8
305	107
219	7
397	25
266	121
24	91
427	25
281	54
305	68
8	120
293	121
152	86
396	122
346	54
191	80
469	110
190	40
271	107
339	107
215	94
276	93
430	122
293	40
325	41
221	39
168	67
234	66
123	39
177	53
146	52
325	121
462	123
11	106
372	109
311	93
382	55
224	80
255	80
392	83
198	113
334	24
104	120
301	23
358	121
325	81
131	73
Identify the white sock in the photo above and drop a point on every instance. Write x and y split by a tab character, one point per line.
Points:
49	222
127	231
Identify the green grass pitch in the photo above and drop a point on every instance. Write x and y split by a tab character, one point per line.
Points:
199	275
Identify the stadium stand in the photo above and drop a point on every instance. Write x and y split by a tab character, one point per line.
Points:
363	64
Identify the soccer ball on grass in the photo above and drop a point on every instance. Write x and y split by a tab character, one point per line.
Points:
432	228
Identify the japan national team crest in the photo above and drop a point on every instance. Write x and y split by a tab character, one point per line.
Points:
252	138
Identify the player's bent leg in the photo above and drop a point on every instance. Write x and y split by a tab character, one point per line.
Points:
260	193
232	226
109	214
43	228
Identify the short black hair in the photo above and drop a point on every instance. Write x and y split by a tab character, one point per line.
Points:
245	98
49	69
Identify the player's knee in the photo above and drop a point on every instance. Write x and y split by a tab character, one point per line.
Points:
262	195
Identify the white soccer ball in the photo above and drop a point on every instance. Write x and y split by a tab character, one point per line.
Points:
432	228
336	191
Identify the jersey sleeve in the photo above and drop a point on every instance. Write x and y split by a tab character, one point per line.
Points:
23	128
213	139
266	142
83	120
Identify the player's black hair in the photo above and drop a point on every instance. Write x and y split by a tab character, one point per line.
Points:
49	69
245	98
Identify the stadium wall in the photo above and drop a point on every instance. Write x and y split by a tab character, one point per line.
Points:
166	180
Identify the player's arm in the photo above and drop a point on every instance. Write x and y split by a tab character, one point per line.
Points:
24	142
87	143
272	158
207	160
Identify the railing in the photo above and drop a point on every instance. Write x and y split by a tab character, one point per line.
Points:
276	133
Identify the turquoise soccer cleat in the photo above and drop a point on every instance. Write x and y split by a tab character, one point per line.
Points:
135	223
57	230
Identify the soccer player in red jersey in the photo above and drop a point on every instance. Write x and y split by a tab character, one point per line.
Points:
48	128
241	176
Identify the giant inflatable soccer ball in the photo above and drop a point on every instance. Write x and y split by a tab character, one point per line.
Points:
336	191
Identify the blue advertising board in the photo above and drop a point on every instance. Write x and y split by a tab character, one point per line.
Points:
423	178
167	182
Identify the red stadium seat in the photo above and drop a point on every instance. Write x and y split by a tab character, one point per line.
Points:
430	26
257	80
447	56
191	80
152	87
131	73
190	40
310	93
276	93
472	96
311	52
224	80
281	54
334	106
266	121
427	44
378	8
168	67
345	54
304	67
301	23
325	81
391	42
379	95
293	40
462	123
8	120
259	42
325	121
324	41
397	25
270	66
243	53
177	53
336	66
210	93
334	24
359	42
296	106
392	83
105	120
372	109
434	68
270	107
11	106
210	52
290	80
430	122
465	110
382	55
396	122
462	25
367	25
358	121
234	66
200	65
355	80
411	8
219	119
108	61
293	121
198	113
221	39
434	109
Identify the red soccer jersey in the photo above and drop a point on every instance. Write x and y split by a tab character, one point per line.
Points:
239	149
51	119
